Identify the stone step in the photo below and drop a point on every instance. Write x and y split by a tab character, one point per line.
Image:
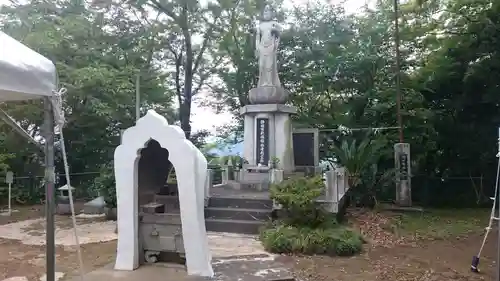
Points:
152	208
245	203
294	174
247	186
238	214
166	199
233	226
255	178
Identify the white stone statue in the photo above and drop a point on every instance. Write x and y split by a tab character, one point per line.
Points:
267	41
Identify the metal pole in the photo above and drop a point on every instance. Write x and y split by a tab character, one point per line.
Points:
10	199
398	70
498	216
498	240
137	97
50	250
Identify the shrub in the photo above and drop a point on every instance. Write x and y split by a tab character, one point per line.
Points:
283	238
106	186
306	228
297	197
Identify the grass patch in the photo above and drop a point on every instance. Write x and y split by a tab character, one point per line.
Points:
440	224
336	240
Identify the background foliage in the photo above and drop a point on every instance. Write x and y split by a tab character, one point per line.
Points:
338	67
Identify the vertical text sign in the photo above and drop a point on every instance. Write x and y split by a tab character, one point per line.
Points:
262	141
403	166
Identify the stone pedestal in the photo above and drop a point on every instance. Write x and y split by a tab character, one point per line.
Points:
268	95
268	134
403	174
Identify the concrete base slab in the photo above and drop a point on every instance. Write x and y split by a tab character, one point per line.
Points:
6	213
244	268
58	276
17	278
251	268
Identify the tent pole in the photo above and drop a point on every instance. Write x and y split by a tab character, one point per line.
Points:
498	214
49	191
498	243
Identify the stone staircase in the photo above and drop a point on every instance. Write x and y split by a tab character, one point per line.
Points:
237	215
231	214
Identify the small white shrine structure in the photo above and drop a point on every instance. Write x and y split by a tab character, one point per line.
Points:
191	171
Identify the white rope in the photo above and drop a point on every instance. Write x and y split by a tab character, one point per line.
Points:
57	107
345	129
492	215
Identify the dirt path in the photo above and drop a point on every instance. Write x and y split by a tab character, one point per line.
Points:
426	261
22	237
18	259
386	257
29	260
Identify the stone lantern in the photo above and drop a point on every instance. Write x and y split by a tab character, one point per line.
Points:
63	206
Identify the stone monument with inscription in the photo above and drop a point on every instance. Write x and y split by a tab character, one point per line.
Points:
267	124
306	148
403	174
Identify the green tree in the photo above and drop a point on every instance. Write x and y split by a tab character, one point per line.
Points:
190	30
459	85
98	56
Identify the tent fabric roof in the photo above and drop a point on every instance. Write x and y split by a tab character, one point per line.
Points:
24	74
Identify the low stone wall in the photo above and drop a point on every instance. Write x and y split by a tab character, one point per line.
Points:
336	186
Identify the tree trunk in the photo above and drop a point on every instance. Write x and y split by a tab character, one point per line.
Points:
185	107
184	116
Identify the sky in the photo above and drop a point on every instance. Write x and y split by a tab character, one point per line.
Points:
206	118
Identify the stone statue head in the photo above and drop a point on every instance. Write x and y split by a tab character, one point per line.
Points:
267	14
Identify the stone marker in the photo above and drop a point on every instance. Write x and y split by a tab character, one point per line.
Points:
95	206
306	147
403	174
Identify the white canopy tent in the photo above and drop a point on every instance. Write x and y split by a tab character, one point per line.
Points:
25	75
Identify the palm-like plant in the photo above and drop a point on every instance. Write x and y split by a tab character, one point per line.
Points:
357	157
374	183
